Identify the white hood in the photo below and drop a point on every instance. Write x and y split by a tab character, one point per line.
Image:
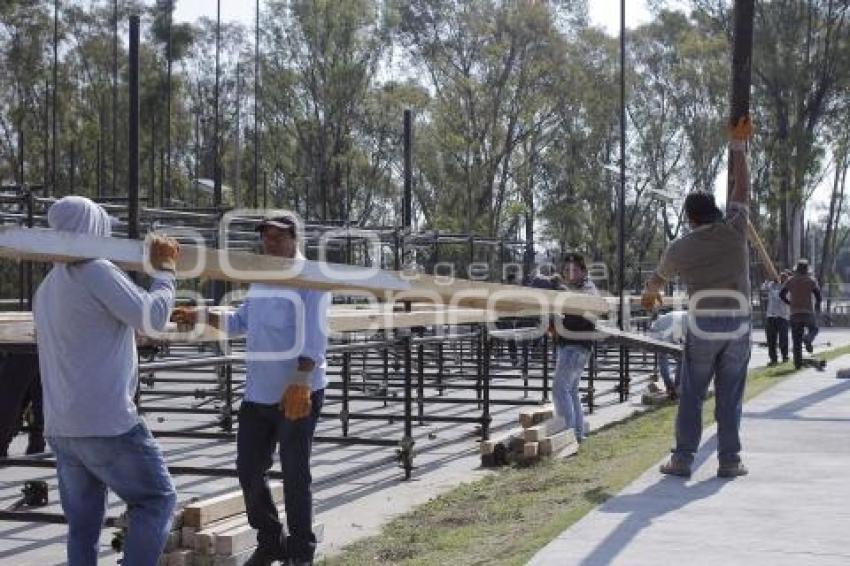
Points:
80	215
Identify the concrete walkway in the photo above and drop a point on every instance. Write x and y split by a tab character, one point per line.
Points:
792	509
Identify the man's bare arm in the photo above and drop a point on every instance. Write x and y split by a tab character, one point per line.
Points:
741	178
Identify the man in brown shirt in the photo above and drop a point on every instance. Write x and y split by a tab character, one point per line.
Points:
712	259
802	293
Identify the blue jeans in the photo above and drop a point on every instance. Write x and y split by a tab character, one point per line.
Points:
262	429
726	359
664	370
565	387
132	466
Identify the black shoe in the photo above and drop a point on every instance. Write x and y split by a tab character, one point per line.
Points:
771	363
785	360
809	347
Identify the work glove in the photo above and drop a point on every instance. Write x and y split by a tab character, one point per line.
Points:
163	252
295	403
650	299
740	134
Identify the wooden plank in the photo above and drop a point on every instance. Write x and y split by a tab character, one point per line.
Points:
180	558
544	430
531	416
530	450
204	541
202	513
558	442
761	250
497	297
46	245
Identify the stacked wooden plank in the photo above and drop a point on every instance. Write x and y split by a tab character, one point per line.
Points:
541	434
215	532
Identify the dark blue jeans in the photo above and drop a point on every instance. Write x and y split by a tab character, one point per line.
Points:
716	347
804	328
131	465
262	429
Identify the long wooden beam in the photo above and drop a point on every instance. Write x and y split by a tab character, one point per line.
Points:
40	244
761	250
47	245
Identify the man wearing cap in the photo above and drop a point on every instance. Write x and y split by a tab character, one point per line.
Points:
713	261
776	318
802	294
573	348
86	317
287	339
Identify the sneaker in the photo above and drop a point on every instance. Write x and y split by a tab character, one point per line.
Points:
675	468
732	470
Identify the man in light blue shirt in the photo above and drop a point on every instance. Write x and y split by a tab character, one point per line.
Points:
86	316
286	332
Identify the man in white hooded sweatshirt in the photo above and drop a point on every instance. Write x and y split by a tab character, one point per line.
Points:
86	314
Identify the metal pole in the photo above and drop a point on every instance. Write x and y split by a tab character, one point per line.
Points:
53	190
133	127
216	166
114	95
168	56
256	106
621	221
407	207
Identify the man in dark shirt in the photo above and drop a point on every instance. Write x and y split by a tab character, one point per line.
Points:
712	259
802	294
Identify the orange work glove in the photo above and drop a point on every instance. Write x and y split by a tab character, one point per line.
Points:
163	252
650	299
740	134
295	403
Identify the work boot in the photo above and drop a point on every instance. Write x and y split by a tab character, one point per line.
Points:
732	470
36	444
675	467
263	557
266	556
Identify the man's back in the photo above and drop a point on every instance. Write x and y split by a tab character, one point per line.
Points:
713	257
801	293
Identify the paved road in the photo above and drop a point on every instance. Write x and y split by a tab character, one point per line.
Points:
792	509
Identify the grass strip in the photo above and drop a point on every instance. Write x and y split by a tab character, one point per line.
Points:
507	517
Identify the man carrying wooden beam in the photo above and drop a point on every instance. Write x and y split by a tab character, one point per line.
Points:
285	387
713	261
86	316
